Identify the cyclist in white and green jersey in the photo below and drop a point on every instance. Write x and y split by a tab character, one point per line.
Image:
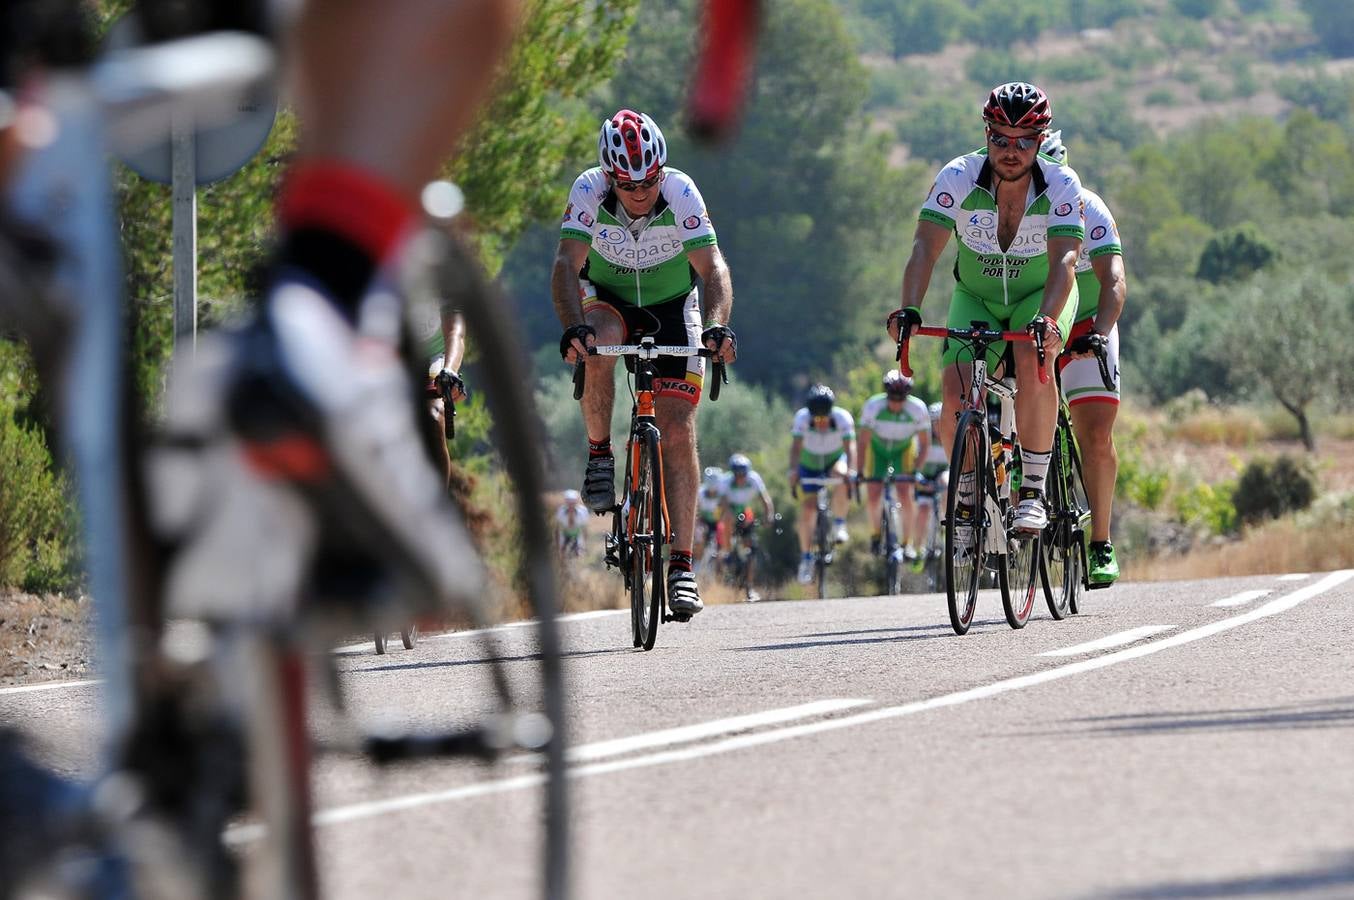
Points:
709	505
824	445
1102	285
895	433
1017	216
633	239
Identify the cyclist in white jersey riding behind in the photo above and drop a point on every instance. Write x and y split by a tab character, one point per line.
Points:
634	237
1017	216
824	445
895	433
740	489
1102	286
571	522
709	502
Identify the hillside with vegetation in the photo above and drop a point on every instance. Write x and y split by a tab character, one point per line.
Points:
1218	130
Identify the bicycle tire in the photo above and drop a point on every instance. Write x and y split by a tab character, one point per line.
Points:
824	538
962	576
646	536
409	636
1081	501
886	539
1054	562
380	637
1023	568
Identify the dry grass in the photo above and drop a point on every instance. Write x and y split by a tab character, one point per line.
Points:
1288	545
43	638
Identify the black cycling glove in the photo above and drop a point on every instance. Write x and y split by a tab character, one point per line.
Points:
574	331
718	334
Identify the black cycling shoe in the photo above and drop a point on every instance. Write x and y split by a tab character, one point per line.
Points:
599	484
684	597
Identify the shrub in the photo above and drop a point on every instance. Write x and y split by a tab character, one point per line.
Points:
1208	506
1078	69
1268	489
1213	92
37	524
1162	96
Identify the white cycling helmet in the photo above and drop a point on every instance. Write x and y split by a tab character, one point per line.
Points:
572	496
934	409
631	146
1053	146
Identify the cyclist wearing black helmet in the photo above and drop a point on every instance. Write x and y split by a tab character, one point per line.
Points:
895	433
1018	219
824	445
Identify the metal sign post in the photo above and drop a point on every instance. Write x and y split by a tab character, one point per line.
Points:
183	155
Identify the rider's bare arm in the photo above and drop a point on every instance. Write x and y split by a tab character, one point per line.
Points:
927	244
796	446
453	340
718	295
1109	271
565	289
1062	274
852	461
923	446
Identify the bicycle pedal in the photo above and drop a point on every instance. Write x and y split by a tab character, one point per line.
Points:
679	617
1099	587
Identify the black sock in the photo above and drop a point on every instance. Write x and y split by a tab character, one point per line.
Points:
599	448
679	561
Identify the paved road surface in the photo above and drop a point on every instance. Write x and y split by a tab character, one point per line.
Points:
1191	739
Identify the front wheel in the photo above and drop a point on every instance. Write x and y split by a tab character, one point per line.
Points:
409	636
646	541
380	643
824	539
964	553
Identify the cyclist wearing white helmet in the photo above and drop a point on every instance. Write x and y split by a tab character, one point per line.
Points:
739	490
824	445
571	520
633	239
709	503
895	433
1102	284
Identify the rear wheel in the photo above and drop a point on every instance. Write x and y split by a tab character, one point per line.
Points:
824	541
888	542
380	642
1063	551
1023	566
646	541
409	636
964	554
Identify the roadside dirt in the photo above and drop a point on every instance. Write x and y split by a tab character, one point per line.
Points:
43	638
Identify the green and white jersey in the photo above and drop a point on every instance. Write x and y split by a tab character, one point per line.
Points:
1102	237
893	429
741	496
964	199
822	448
639	262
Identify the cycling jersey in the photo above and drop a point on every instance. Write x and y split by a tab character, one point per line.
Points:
708	502
1102	237
893	439
571	519
645	266
821	449
742	495
964	199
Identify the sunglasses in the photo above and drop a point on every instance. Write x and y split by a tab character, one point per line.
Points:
631	186
1024	142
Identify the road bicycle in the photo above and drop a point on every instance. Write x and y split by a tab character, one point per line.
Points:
177	527
890	531
640	524
933	545
824	541
1063	566
985	460
744	556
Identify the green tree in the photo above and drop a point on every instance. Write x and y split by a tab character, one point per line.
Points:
1333	22
1289	333
1234	255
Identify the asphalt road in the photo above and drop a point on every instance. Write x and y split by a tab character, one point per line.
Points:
858	748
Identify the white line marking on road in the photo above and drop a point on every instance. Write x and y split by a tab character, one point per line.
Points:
1294	576
1113	640
49	686
689	733
1240	599
368	646
742	742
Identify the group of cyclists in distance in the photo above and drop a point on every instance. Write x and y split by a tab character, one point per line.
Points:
1039	252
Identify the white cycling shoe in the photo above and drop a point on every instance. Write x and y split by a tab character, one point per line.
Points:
805	574
1030	514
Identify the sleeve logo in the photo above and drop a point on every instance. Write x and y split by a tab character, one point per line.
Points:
1063	210
945	200
692	223
585	218
568	212
1097	232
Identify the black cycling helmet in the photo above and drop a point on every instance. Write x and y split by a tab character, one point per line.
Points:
1018	104
896	384
820	400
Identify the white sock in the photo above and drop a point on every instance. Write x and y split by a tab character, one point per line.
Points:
1034	469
